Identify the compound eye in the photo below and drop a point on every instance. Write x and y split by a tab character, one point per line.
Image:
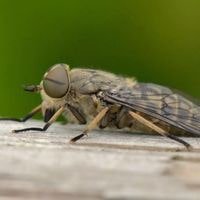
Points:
56	82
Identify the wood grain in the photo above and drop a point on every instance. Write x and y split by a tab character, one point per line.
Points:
109	164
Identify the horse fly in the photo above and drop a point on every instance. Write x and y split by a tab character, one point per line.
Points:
103	99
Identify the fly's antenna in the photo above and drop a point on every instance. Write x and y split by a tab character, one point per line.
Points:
31	88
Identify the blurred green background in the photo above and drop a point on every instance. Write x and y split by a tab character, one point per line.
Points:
155	40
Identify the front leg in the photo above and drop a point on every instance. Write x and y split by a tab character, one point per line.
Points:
46	126
78	114
28	88
26	117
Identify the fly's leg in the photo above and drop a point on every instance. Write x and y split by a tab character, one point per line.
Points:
26	117
28	88
92	124
105	120
46	126
111	117
78	114
95	100
123	119
158	129
116	116
108	118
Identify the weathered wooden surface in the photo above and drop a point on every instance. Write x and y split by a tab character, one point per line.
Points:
105	165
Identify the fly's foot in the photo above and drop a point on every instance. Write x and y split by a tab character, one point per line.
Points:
78	137
30	129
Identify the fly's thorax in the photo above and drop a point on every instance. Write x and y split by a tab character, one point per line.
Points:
90	81
130	82
90	105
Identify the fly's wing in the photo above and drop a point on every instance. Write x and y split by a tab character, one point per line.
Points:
159	102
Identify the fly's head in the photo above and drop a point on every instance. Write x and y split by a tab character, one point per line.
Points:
55	87
56	81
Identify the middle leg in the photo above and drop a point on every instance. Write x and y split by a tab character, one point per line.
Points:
92	124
